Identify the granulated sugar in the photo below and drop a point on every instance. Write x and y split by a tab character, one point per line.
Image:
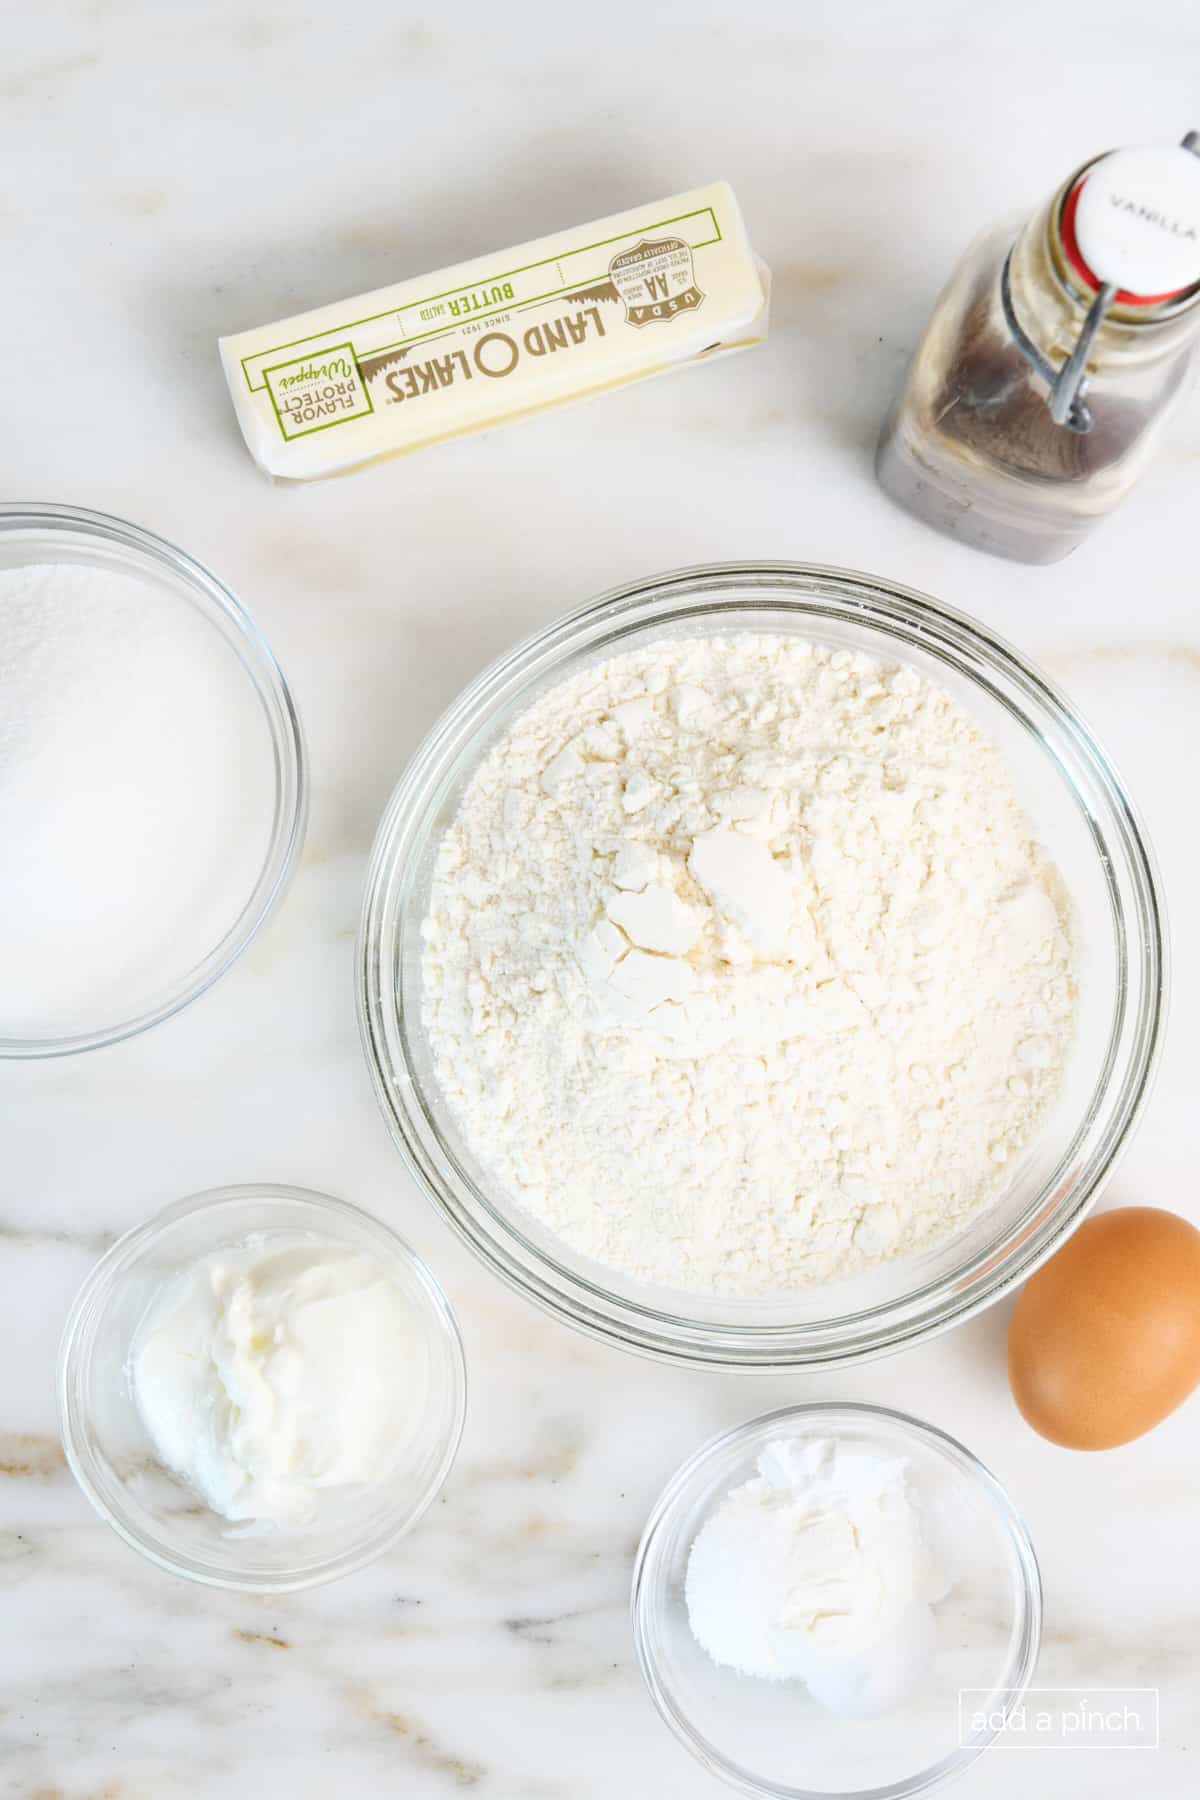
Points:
136	795
742	968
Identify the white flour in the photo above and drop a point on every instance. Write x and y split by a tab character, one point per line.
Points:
136	794
742	970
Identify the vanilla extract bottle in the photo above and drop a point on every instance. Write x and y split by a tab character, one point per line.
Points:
1052	359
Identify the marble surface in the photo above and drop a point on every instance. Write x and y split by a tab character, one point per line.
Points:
173	172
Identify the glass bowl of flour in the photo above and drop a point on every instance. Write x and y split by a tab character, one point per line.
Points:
762	967
836	1600
153	785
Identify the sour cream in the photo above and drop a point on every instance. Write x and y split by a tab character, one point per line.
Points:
267	1375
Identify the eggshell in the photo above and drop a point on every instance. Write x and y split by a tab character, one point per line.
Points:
1105	1338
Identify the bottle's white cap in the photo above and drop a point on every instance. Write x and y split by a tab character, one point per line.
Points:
1137	220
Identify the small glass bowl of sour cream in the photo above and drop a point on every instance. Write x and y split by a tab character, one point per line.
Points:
971	1662
115	1442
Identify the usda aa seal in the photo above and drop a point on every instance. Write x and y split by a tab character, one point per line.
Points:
656	280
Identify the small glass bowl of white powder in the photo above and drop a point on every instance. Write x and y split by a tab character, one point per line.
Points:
261	1388
835	1600
153	786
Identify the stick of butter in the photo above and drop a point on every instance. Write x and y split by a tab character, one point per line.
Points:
497	339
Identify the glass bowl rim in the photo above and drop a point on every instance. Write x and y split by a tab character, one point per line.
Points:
1028	1592
215	602
906	616
98	1284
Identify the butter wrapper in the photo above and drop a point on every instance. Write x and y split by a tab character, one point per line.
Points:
499	338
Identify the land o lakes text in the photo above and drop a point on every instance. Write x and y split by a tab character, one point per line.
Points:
495	355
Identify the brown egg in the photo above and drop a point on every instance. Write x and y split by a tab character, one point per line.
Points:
1105	1339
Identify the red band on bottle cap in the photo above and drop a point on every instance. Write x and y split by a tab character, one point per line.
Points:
1074	256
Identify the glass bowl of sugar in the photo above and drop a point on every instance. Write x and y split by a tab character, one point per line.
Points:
836	1600
762	967
153	781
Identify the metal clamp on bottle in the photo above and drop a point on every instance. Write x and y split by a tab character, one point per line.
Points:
1068	382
